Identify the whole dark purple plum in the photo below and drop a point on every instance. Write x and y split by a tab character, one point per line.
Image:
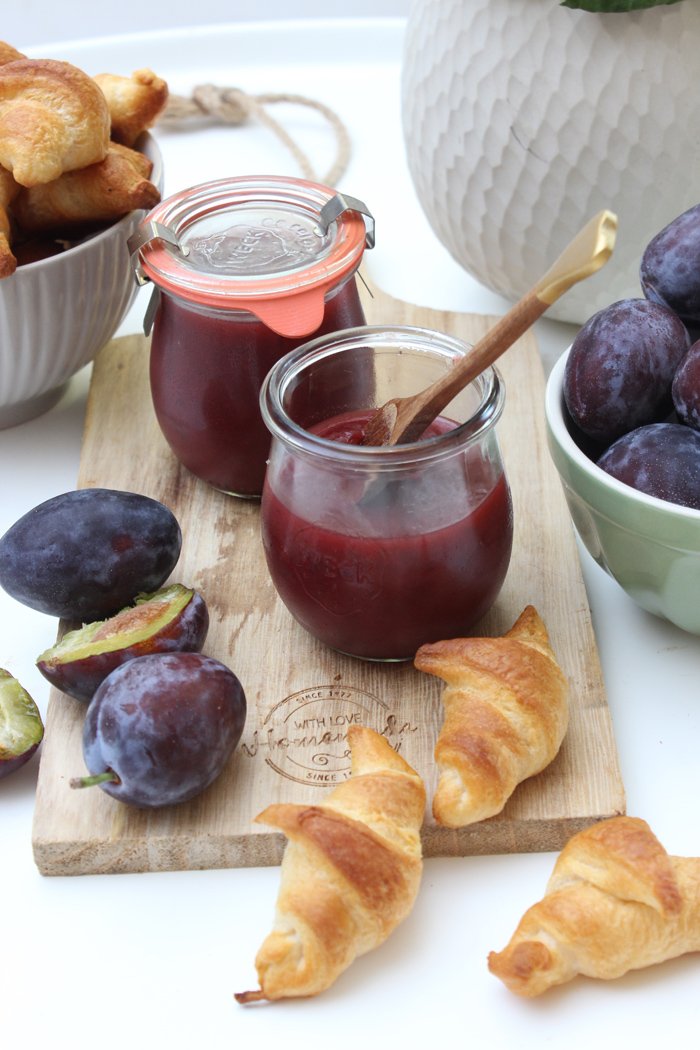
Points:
86	554
161	728
685	389
670	267
620	367
662	459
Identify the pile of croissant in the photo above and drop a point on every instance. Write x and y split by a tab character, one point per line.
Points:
67	159
351	871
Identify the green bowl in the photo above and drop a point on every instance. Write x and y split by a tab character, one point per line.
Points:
649	546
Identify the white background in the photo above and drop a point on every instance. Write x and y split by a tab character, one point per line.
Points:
31	22
152	960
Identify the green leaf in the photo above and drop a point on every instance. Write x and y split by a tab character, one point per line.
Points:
612	6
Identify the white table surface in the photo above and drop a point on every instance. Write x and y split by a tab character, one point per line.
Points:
152	960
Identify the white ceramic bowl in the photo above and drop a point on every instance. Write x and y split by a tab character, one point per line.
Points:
55	314
649	546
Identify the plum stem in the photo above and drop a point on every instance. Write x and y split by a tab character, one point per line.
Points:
97	778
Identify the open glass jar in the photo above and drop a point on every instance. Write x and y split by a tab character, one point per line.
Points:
376	550
245	269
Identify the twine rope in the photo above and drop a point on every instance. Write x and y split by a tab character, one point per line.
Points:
230	105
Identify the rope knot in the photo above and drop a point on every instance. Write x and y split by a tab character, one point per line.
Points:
229	105
232	106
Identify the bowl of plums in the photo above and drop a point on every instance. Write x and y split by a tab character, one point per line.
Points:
78	168
623	426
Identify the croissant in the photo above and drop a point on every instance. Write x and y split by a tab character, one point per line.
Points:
616	901
99	193
350	872
137	159
506	714
134	102
8	53
53	118
8	191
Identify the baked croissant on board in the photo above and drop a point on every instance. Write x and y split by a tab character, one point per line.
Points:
506	714
616	901
350	873
8	53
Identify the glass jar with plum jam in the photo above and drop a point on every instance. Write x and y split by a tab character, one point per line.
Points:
377	550
245	269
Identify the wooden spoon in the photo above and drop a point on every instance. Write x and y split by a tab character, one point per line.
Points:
404	419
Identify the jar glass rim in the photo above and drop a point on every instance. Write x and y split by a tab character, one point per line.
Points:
488	411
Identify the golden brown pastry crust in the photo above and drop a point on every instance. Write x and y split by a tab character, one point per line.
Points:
506	714
99	193
53	119
8	53
616	901
138	160
134	102
8	192
350	873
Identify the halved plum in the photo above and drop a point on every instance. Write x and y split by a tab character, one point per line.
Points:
21	727
173	619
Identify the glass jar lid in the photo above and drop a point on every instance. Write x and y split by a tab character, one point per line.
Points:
270	245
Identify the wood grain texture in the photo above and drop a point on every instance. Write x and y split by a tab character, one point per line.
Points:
302	696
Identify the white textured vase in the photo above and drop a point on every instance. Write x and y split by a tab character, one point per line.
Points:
522	119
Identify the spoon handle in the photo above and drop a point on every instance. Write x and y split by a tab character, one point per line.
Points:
404	419
415	414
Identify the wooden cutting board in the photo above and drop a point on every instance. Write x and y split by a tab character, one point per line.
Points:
301	696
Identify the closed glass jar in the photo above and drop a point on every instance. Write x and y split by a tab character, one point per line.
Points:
246	271
377	550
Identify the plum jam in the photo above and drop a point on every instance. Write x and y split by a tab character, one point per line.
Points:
376	550
245	270
206	371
